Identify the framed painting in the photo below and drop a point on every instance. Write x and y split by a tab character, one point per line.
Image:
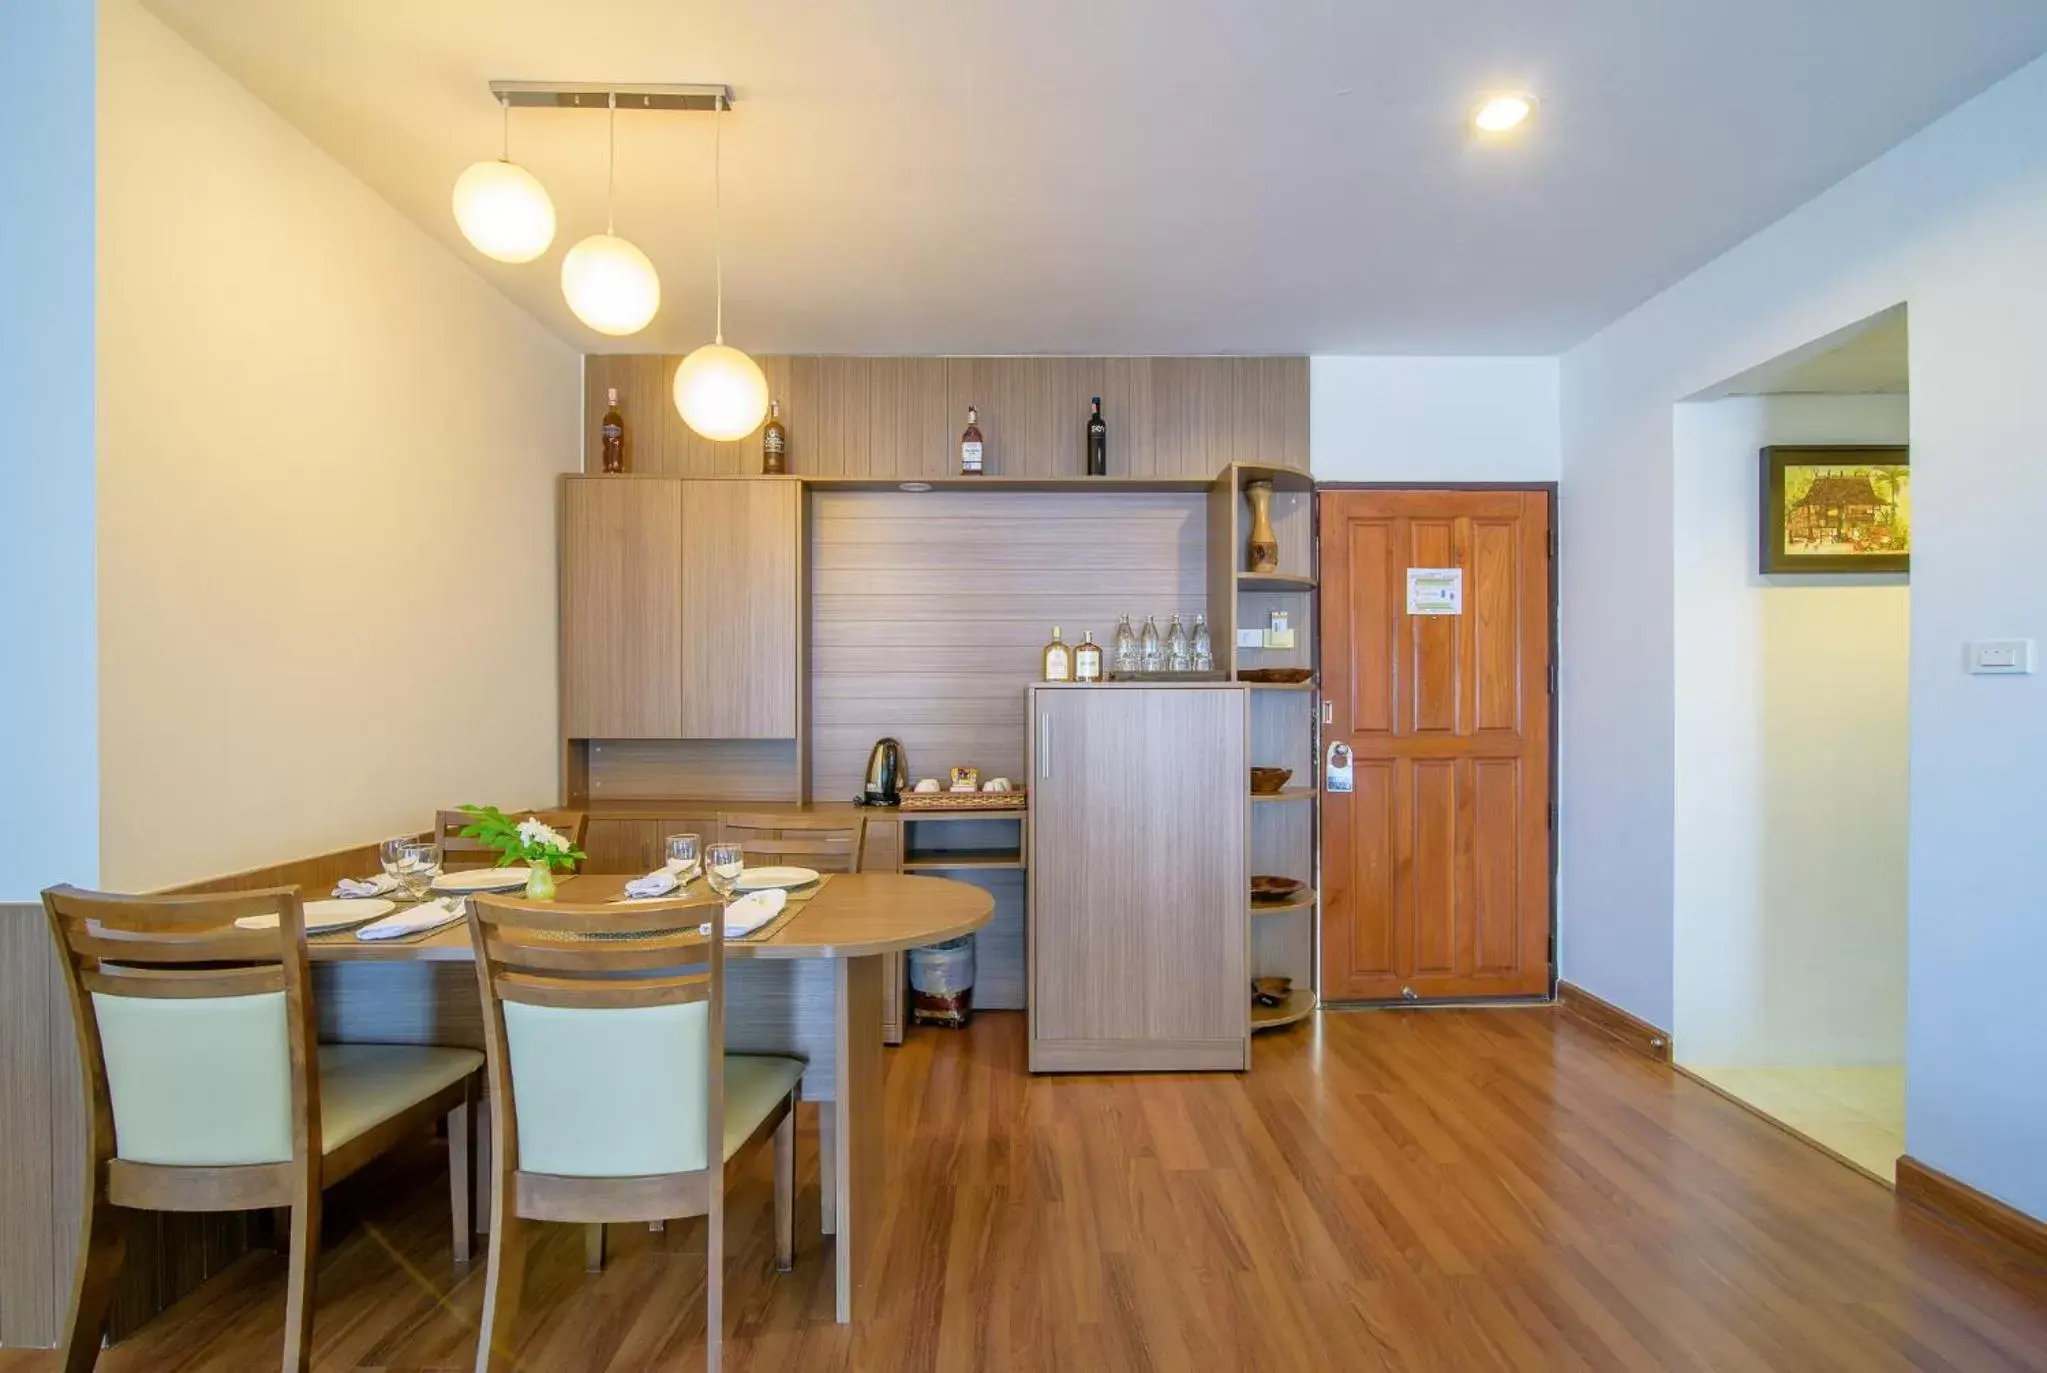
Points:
1840	508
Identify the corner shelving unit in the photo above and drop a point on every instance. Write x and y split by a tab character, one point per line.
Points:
1285	832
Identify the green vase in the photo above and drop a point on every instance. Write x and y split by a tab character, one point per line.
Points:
540	881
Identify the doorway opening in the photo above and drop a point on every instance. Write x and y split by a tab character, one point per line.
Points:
1792	707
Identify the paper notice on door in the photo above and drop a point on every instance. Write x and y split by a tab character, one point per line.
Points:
1435	591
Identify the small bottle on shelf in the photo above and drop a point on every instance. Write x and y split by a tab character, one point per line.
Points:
1097	442
774	443
1058	660
1203	646
612	432
1178	656
970	446
1151	653
1123	649
1087	659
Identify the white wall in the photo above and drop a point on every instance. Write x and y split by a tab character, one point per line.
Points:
326	523
49	799
1398	419
1791	795
1951	223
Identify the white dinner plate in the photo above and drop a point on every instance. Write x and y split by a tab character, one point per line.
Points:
769	879
324	917
481	879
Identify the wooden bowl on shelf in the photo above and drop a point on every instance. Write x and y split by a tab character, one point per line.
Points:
1268	888
1271	991
1282	676
1266	781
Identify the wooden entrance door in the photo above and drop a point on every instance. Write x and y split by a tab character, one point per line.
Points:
1436	866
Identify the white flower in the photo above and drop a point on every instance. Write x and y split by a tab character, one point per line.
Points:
535	834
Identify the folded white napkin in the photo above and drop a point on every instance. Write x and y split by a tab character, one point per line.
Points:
383	884
431	915
659	882
750	912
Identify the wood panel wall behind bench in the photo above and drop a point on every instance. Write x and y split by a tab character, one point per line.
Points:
901	417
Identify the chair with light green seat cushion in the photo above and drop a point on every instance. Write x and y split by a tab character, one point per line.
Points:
206	1090
206	1081
622	1093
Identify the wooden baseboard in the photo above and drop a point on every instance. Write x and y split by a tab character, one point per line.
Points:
1609	1019
1979	1213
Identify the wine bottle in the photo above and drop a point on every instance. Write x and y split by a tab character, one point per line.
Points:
1097	442
970	446
774	443
613	433
1058	659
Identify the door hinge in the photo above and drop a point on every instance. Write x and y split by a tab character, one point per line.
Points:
1553	677
1552	541
1552	815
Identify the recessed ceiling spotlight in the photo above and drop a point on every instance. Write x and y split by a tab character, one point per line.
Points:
1503	113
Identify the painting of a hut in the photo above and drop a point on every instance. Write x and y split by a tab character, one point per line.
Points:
1836	510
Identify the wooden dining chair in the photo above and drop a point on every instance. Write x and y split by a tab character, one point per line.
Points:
612	1096
829	843
458	853
205	1089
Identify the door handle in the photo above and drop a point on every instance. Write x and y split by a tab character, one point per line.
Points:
1044	746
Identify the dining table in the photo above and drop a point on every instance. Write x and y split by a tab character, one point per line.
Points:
810	983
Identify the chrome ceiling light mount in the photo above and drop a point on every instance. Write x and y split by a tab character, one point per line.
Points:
584	95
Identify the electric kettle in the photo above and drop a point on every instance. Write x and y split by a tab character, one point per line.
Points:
887	775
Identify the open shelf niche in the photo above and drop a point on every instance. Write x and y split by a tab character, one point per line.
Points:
1284	731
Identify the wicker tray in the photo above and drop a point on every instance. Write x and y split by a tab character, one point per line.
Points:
963	800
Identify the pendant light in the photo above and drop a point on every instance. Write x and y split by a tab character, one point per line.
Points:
502	208
607	281
719	391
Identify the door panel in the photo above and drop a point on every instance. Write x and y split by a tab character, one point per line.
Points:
621	608
1436	867
740	609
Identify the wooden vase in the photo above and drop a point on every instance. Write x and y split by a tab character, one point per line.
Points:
1264	544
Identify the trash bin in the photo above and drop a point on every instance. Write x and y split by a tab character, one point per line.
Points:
942	983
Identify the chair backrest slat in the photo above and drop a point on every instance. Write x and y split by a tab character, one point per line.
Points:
196	1038
831	843
458	854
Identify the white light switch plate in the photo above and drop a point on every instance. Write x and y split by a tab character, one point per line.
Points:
1250	638
2000	657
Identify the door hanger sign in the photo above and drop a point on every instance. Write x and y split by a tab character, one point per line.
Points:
1336	774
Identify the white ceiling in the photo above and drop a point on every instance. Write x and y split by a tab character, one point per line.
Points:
1133	176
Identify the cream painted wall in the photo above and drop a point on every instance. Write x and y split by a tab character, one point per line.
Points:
1402	419
1789	913
1948	222
326	506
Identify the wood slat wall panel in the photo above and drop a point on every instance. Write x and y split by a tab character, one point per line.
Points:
901	417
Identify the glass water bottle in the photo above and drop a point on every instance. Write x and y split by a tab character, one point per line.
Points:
1178	657
1203	646
1151	654
1123	659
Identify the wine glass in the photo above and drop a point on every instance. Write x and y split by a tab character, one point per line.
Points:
723	865
413	863
683	856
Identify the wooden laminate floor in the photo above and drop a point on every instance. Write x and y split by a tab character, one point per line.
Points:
1456	1190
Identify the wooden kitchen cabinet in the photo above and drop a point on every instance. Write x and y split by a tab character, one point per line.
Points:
681	608
621	608
741	608
1138	921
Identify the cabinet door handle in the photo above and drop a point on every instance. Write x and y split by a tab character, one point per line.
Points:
1044	746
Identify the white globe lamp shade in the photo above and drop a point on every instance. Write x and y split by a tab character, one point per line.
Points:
721	393
504	210
610	285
